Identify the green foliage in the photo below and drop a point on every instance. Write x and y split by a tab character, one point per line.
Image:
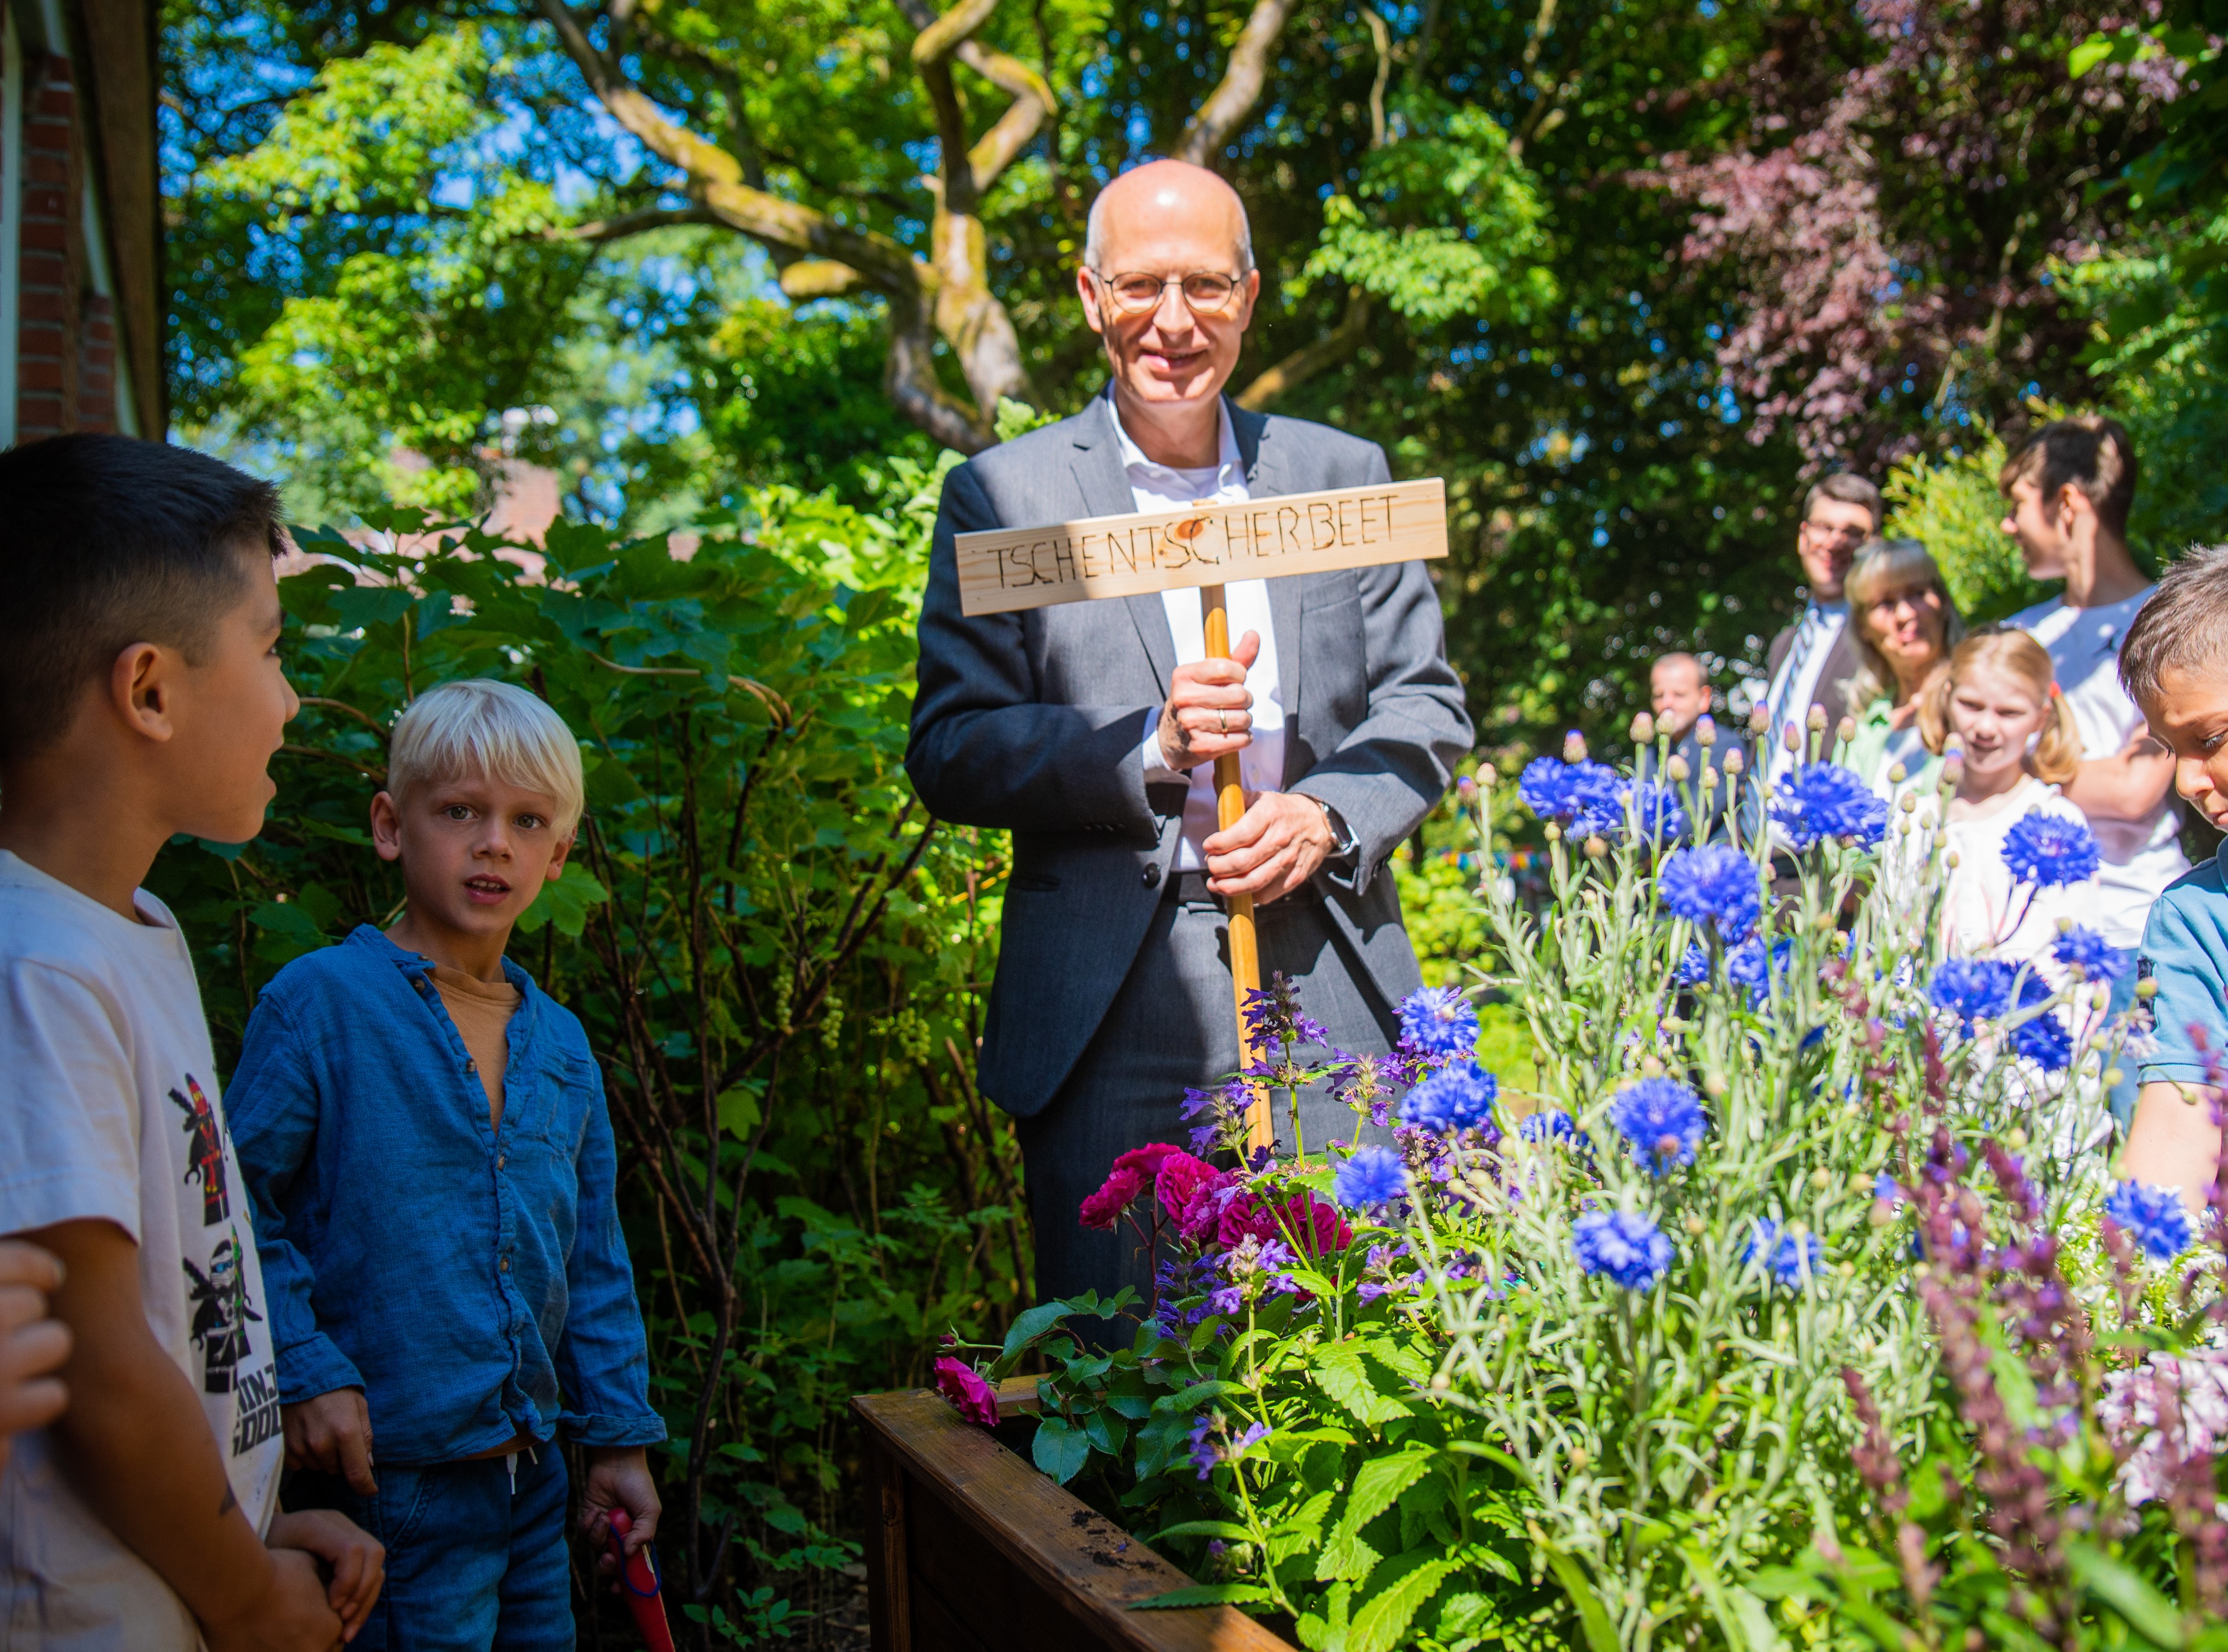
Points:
776	956
1951	506
1463	234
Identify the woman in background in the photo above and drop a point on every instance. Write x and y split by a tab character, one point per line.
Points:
1903	625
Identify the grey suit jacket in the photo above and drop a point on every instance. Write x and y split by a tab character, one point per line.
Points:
1032	722
1842	663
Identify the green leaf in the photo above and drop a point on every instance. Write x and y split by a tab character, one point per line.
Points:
2147	1611
1382	1618
1228	1531
1033	1322
1593	1618
1338	1372
1059	1448
740	1110
1379	1482
2088	54
1205	1594
565	903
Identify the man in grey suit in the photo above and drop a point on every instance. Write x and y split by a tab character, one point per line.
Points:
1090	729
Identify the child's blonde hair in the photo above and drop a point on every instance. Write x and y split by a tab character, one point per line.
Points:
495	729
2058	753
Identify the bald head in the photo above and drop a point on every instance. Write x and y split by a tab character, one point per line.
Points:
1178	229
1160	193
1679	693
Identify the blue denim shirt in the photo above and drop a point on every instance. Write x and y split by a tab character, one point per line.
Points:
473	1282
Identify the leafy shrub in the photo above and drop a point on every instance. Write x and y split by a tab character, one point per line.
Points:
1643	1359
776	953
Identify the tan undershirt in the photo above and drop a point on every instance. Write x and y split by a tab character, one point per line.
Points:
482	1010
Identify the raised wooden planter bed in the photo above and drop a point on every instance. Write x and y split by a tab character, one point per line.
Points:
970	1549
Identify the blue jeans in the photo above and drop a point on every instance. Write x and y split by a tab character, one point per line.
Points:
472	1566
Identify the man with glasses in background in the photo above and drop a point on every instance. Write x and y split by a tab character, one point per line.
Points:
1090	731
1812	661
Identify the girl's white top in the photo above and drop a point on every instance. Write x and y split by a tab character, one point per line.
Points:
1985	914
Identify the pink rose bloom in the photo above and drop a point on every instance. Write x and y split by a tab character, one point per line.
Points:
1181	1176
1146	1158
961	1384
1104	1209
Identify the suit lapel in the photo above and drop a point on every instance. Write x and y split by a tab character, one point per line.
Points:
1266	477
1104	485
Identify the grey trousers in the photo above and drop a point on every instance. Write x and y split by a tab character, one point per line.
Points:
1173	1026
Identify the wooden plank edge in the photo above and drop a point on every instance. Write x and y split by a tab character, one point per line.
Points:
894	1416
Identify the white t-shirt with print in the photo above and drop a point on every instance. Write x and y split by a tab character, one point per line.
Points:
2139	857
110	1112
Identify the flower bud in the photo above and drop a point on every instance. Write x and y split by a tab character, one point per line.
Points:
1596	848
1791	738
1897	774
1579	1457
1822	1178
1951	859
2146	989
1644	729
2015	1139
1759	718
1845	730
1465	788
1709	779
1816	721
1941	840
2065	923
1487	775
1676	768
1554	833
1714	1086
1650	1067
2101	995
2113	1075
1706	730
1953	774
1735	762
1441	1381
1574	747
1883	1214
1696	1226
1910	803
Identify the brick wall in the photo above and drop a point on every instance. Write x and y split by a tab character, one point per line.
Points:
65	334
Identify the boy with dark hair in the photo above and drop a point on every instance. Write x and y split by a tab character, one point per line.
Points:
433	1171
2070	484
140	697
2175	665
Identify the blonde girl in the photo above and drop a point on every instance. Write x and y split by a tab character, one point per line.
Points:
1996	715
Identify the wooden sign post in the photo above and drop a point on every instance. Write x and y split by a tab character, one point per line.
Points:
1004	570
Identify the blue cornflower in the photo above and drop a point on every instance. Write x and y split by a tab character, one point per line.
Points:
1822	800
1545	786
2089	956
2043	1040
1744	966
1714	884
1457	1097
2044	849
1548	1125
1694	967
2154	1216
1626	1246
1438	1020
1585	796
1204	1455
1793	1260
1597	797
1662	1119
1372	1177
1971	989
1656	807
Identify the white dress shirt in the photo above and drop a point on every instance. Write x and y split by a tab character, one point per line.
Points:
2139	857
1796	687
1261	764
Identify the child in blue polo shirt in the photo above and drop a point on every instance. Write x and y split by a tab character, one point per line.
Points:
424	1135
2175	662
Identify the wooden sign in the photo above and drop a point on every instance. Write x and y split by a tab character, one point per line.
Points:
1004	569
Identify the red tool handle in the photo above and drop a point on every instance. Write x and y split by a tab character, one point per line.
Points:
638	1577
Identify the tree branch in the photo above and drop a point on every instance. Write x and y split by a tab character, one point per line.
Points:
629	223
1228	105
1309	360
952	34
715	175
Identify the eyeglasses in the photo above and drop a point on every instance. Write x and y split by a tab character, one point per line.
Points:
1856	534
1207	292
1914	596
